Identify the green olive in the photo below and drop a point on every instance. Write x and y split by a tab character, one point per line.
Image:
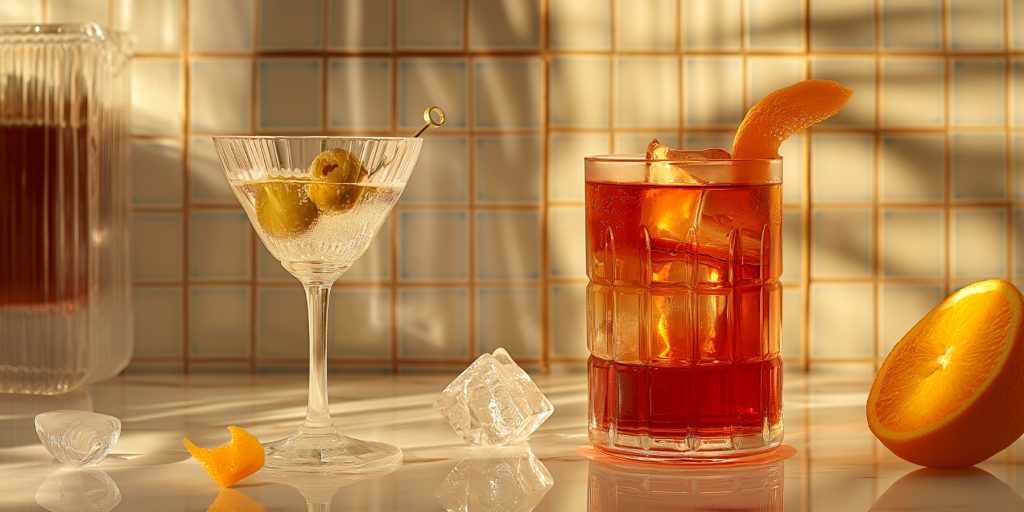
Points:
337	172
284	209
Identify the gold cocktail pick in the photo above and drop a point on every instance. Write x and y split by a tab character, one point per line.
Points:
433	117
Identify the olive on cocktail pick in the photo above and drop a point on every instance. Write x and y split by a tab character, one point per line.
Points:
335	174
284	209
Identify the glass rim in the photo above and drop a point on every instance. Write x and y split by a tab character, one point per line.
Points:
635	158
311	137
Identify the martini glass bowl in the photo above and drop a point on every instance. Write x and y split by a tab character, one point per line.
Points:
316	203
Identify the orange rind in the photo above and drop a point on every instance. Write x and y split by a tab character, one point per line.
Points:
230	463
949	394
784	112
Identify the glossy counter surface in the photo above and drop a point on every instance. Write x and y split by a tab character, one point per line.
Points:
831	461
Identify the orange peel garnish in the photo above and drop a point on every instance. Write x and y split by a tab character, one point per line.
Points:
231	462
949	393
784	112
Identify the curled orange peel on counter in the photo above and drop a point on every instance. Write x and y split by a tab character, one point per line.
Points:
229	463
784	112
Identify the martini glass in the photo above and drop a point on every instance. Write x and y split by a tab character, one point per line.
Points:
316	203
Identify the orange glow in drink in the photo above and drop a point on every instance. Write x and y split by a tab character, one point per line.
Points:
684	306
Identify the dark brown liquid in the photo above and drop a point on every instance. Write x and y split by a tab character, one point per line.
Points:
44	215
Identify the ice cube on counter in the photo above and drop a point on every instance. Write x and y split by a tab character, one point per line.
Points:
77	438
493	402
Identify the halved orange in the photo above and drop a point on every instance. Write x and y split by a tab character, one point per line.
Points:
785	112
951	392
231	462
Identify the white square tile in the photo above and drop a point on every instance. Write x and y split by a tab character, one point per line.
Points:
282	325
269	269
647	92
841	320
767	74
565	162
155	24
1018	235
567	320
508	169
1017	13
579	24
857	73
221	26
901	308
913	243
792	240
775	24
156	247
430	25
912	24
912	168
842	167
359	94
221	95
979	92
697	141
636	143
219	245
793	168
792	312
504	24
294	25
220	321
976	25
979	243
507	93
848	25
156	97
646	25
566	243
713	92
580	91
442	172
979	166
433	245
157	176
426	82
710	24
360	320
79	11
1017	85
375	263
359	24
507	245
509	318
913	92
21	11
1018	166
433	323
289	93
207	184
841	244
159	317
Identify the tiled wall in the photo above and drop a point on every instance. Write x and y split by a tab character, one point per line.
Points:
916	188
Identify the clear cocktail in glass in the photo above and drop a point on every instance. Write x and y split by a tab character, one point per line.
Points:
684	306
316	203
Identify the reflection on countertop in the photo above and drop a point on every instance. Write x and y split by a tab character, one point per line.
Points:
833	462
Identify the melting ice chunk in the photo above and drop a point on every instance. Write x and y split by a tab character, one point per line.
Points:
77	438
493	402
664	172
505	484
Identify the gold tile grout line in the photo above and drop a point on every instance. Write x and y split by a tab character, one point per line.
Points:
545	301
876	250
805	216
947	148
254	334
1009	105
186	199
471	93
396	216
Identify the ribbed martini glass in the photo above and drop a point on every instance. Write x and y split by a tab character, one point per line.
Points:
316	203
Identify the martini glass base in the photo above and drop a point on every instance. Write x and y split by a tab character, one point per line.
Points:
330	452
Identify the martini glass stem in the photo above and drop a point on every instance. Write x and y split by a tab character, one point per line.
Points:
318	414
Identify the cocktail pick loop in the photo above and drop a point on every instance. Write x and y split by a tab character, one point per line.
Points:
433	117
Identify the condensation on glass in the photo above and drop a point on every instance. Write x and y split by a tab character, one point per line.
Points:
65	207
684	307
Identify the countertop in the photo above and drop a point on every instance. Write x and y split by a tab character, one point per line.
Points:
830	461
